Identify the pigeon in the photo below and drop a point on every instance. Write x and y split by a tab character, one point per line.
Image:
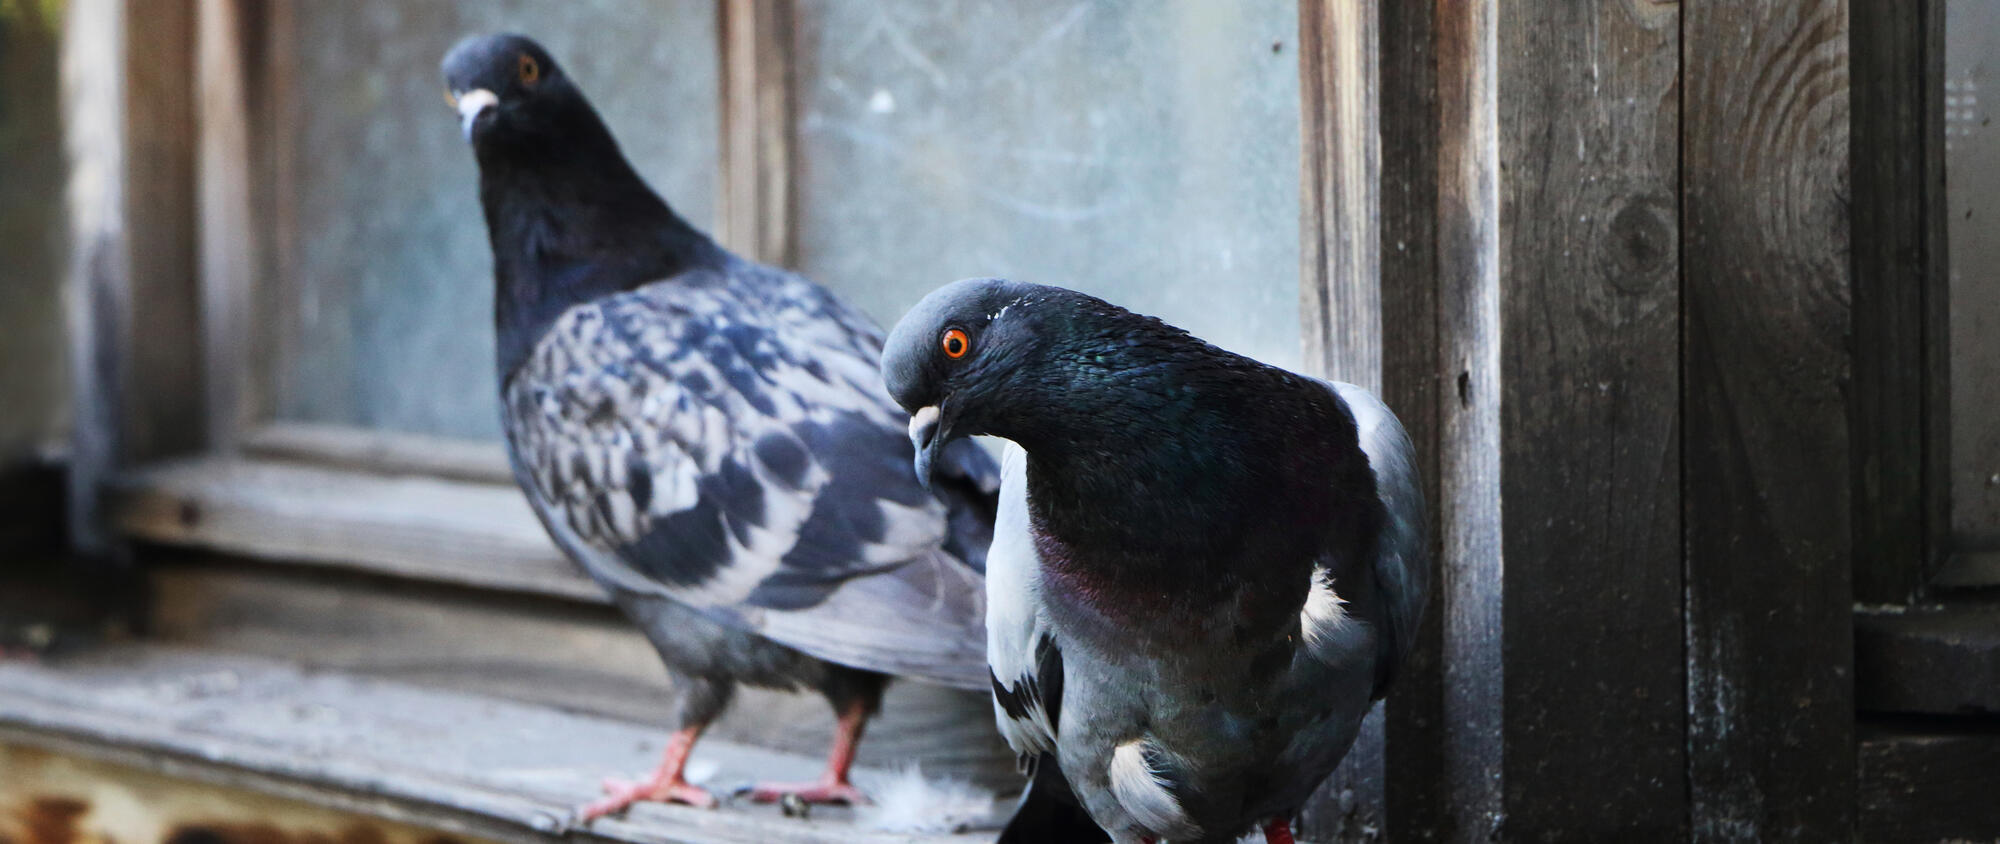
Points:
1204	569
709	438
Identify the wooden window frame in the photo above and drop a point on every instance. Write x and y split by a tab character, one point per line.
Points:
176	444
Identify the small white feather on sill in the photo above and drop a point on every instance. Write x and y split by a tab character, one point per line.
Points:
906	802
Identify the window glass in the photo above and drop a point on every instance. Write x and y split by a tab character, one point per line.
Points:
384	282
1144	152
1972	180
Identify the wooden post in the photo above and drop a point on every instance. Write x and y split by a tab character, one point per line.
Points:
1588	117
757	216
1766	440
1901	466
1340	299
128	107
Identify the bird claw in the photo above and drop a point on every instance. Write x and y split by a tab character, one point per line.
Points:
811	793
621	794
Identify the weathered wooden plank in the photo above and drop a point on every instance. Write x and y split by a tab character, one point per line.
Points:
128	109
1408	83
488	767
1766	447
1468	432
228	33
1899	270
1588	136
404	526
53	795
1340	300
380	452
757	212
549	653
1928	786
1942	660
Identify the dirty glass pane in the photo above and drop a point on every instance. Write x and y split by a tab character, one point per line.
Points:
33	176
1145	152
1972	181
385	291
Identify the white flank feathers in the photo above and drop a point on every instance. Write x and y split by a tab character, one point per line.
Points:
908	803
1138	788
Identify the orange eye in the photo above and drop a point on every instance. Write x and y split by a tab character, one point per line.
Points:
531	71
955	343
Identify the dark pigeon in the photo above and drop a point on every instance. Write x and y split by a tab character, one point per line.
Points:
710	438
1204	569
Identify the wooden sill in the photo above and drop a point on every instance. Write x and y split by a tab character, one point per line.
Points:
463	532
1934	659
457	763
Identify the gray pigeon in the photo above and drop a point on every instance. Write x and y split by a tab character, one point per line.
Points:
1204	569
710	438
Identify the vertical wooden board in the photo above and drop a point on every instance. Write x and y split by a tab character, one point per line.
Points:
1414	799
1766	440
162	412
757	215
226	30
1468	421
1340	303
1340	306
1588	133
1899	270
128	116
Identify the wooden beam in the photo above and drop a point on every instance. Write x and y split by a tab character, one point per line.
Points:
1589	122
459	763
1921	784
1414	801
1939	660
1899	272
757	213
227	32
1468	425
1340	299
421	528
1766	443
129	112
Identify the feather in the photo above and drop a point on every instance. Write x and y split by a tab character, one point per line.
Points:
909	803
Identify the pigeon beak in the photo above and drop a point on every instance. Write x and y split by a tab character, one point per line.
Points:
926	437
470	105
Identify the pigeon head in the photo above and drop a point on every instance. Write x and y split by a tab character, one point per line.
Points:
509	92
988	356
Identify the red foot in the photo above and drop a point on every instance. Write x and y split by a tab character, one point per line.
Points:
822	792
1278	832
620	795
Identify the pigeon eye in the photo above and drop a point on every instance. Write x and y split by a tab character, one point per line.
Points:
531	71
955	343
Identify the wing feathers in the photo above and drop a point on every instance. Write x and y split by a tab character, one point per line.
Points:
741	456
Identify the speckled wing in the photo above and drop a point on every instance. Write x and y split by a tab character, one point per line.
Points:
737	452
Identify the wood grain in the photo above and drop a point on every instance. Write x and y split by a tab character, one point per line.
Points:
560	654
758	218
380	452
128	112
1766	447
1468	432
1340	300
228	236
1940	660
1588	145
415	527
1927	785
1901	413
448	761
1415	802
